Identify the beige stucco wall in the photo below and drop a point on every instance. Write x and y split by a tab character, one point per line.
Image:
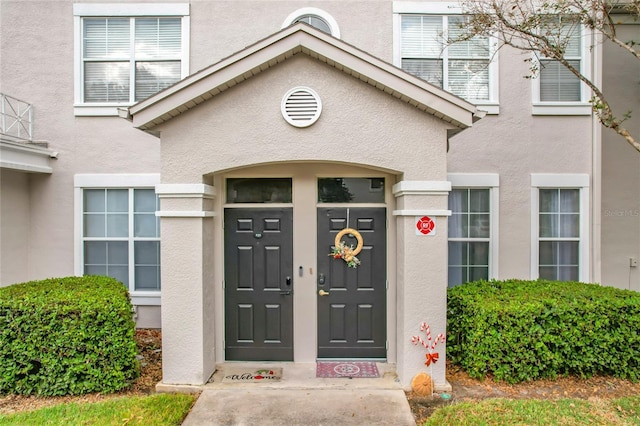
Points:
621	168
365	126
515	144
38	69
14	226
359	124
215	25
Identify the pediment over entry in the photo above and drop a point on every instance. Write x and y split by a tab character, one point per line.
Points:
301	39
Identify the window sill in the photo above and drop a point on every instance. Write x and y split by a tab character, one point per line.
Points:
98	110
575	108
490	109
145	299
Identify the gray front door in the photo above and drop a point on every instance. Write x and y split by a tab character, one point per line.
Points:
258	262
352	301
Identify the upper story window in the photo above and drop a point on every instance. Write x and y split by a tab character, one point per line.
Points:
129	59
556	90
465	68
127	53
315	21
315	17
461	68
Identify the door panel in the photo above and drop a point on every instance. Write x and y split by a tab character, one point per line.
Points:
352	316
258	284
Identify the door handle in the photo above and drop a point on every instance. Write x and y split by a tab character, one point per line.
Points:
288	291
323	293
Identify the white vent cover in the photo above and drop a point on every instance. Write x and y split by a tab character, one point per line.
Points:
301	107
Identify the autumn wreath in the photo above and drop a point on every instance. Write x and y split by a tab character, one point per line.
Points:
347	253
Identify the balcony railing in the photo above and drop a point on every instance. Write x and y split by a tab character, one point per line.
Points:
16	118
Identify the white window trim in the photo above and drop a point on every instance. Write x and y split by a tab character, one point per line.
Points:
582	107
491	106
563	181
101	181
489	181
333	24
82	10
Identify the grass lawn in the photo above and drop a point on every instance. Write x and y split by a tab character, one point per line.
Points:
621	411
157	410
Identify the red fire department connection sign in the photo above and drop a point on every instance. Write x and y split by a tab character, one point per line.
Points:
425	225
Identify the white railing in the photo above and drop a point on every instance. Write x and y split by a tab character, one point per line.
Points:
16	118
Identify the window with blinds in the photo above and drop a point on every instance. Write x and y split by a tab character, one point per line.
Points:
557	83
126	60
461	68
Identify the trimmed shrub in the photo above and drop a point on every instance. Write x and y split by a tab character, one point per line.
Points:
524	330
66	336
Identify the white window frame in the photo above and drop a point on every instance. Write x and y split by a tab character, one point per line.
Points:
108	10
582	107
110	181
491	106
490	181
561	181
333	24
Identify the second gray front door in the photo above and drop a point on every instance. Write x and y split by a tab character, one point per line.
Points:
352	301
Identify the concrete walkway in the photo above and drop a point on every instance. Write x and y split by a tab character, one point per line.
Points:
300	398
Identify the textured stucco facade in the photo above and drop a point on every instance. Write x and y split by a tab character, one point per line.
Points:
365	129
620	210
241	132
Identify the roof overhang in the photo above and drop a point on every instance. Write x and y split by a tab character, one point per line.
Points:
295	40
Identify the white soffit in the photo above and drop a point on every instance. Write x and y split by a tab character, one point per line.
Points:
296	39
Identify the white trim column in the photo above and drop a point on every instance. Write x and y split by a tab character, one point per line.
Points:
422	275
188	326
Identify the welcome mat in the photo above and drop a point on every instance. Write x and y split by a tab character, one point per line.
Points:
349	369
251	375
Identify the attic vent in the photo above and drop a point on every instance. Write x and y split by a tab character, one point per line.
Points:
301	107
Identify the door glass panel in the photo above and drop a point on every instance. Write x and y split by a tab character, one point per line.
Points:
259	190
351	190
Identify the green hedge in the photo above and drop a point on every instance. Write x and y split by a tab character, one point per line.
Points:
523	330
64	336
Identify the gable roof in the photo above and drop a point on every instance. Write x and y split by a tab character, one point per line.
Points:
300	39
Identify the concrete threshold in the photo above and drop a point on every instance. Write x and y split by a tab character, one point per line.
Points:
294	376
298	398
297	376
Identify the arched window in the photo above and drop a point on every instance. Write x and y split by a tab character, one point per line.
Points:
316	18
315	21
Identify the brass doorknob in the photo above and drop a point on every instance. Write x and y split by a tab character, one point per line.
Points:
323	293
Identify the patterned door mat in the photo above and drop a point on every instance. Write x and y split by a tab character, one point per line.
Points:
349	369
251	375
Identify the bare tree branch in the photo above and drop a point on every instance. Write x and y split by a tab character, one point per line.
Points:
544	28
